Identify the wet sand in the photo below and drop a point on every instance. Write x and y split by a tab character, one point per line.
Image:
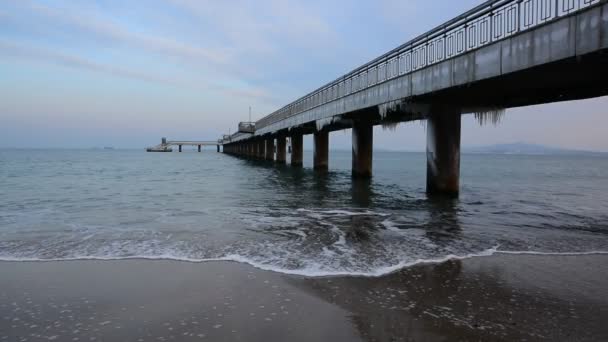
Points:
503	297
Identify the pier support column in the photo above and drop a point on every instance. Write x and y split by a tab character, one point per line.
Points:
281	153
270	149
363	144
260	149
199	148
218	148
297	150
443	152
321	153
180	148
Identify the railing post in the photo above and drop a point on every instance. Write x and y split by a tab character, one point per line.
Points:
445	44
491	15
466	37
519	15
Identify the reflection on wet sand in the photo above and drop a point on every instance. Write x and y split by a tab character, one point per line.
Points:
472	299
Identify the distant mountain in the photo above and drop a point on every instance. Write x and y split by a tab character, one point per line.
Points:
523	148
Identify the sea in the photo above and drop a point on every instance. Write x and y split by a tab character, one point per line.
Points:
209	206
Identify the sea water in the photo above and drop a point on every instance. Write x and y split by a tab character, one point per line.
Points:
198	207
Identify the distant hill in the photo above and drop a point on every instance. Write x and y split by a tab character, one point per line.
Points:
523	148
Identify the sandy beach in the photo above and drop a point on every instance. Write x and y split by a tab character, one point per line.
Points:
503	297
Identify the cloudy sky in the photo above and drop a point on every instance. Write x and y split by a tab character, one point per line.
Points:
124	73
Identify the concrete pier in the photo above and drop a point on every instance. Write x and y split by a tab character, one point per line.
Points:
270	149
199	148
297	149
443	152
321	152
281	149
218	148
180	148
498	55
363	143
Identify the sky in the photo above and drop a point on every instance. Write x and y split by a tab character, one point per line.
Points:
125	73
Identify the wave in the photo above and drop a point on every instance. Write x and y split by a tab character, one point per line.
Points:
313	272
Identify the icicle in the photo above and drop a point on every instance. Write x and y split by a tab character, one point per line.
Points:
390	126
321	123
493	115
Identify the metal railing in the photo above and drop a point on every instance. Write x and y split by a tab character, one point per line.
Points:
489	22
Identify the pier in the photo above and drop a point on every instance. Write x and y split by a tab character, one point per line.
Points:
166	145
501	54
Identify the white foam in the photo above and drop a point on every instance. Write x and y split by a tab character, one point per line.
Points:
343	212
390	225
309	271
313	269
553	253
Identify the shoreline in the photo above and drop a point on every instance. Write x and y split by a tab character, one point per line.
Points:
386	271
498	297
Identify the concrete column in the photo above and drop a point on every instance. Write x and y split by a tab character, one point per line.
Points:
321	153
443	152
260	154
180	148
297	150
281	144
218	148
363	143
270	149
199	148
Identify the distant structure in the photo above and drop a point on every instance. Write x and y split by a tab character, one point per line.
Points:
500	54
165	145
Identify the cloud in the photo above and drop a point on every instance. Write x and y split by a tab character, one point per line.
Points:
108	29
262	27
35	54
